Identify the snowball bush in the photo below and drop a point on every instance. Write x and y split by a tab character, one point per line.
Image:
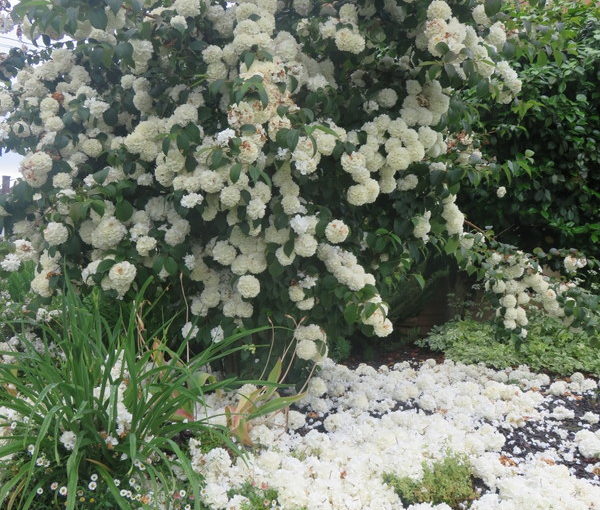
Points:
251	155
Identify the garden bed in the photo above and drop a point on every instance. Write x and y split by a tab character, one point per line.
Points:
531	442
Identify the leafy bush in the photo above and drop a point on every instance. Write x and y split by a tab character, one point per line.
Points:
448	480
549	347
94	416
546	146
254	158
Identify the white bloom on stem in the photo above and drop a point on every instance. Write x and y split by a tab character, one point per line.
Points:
217	334
191	200
336	231
68	439
248	286
189	331
121	275
55	233
11	262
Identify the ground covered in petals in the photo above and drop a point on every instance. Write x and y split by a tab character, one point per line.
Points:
531	442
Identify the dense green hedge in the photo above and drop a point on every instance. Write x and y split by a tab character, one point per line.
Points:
552	196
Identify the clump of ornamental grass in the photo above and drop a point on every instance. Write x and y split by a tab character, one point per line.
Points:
449	480
93	415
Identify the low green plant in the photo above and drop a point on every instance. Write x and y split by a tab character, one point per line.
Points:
448	480
550	346
259	498
98	416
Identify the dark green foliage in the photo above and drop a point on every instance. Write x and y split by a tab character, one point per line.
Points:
552	197
445	481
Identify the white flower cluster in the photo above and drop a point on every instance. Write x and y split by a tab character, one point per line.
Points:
312	342
347	37
518	280
454	218
510	83
572	264
422	227
299	289
41	281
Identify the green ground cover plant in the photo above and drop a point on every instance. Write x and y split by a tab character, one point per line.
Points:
550	347
448	480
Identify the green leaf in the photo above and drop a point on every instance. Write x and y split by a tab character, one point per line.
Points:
351	313
326	129
369	309
123	210
158	264
234	172
483	88
451	245
558	57
101	175
292	138
492	7
166	145
262	94
171	266
249	59
111	116
114	5
254	173
105	265
248	129
183	141
246	196
136	5
288	247
509	49
98	17
78	211
274	405
420	280
281	137
275	269
98	207
73	474
216	86
275	372
124	50
216	158
442	48
542	58
193	133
